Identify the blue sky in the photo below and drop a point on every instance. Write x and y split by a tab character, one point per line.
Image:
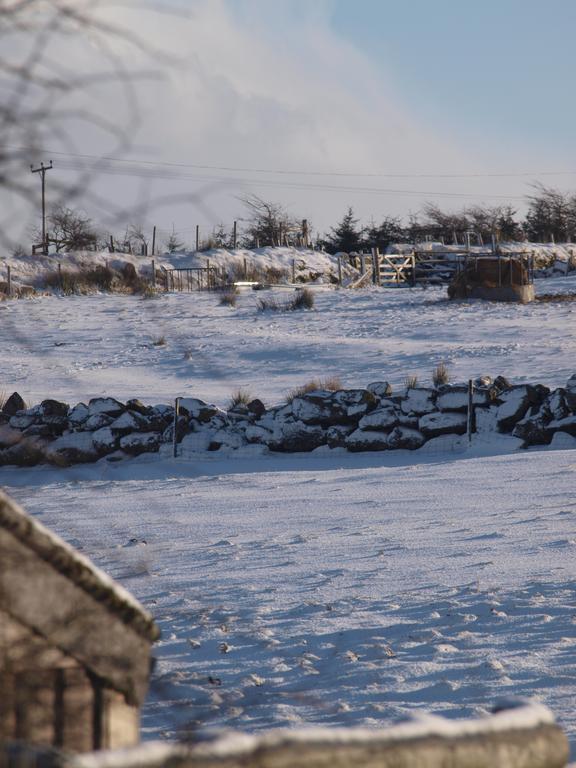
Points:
494	72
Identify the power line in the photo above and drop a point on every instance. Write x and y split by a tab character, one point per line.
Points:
283	171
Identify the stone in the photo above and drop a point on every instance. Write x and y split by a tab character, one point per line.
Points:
483	382
380	388
197	409
419	401
407	439
129	422
501	384
337	434
14	404
567	425
515	404
72	448
257	434
382	420
317	408
138	406
436	424
355	403
257	408
105	405
27	453
456	398
140	442
9	436
227	440
197	442
21	421
363	440
297	437
105	441
79	414
52	426
97	421
182	429
533	431
557	404
54	408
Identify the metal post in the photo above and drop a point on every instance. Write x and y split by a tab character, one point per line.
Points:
339	271
197	237
154	241
293	270
235	235
9	279
153	274
470	420
176	415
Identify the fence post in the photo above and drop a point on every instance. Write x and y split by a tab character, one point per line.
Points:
60	275
305	233
153	274
362	264
175	436
245	269
375	266
197	237
293	270
339	271
9	279
234	235
111	244
470	427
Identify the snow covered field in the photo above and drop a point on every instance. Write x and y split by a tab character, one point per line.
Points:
333	589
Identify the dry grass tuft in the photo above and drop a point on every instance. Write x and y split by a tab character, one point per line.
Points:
304	299
160	341
240	397
411	382
229	298
440	375
329	384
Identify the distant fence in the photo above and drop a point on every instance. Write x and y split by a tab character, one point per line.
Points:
194	279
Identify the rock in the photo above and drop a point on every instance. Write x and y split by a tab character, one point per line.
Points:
129	422
165	412
567	425
198	409
297	437
557	405
380	388
27	453
182	429
483	382
105	441
78	415
257	434
419	401
515	403
72	448
485	419
363	440
9	436
436	424
105	405
227	440
534	431
14	404
456	398
197	442
54	408
138	406
337	434
355	403
408	439
383	420
22	421
501	384
257	408
317	408
140	442
97	421
52	426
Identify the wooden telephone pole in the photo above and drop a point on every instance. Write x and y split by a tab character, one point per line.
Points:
42	171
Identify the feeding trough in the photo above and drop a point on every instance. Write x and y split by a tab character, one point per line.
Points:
495	278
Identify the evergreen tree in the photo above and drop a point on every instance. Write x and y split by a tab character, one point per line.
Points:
346	236
390	230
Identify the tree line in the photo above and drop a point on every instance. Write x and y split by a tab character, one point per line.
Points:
551	217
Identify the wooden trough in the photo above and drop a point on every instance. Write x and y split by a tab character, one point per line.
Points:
495	278
74	646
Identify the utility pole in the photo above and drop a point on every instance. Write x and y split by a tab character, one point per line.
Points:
42	171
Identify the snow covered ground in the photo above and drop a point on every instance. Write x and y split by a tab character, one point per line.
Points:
330	588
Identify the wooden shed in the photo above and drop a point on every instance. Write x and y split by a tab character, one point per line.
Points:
74	646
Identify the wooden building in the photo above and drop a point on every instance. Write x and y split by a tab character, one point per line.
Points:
74	646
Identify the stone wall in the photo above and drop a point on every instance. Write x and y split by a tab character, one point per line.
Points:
370	419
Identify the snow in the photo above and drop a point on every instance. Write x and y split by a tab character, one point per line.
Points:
327	588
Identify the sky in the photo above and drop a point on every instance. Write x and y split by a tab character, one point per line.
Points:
323	104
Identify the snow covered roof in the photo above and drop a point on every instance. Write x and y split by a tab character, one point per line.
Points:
77	568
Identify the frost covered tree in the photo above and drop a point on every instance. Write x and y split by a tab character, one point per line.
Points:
70	230
268	223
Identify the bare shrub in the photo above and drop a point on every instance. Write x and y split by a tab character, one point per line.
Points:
329	384
160	341
276	275
440	375
270	305
304	299
228	298
411	382
240	397
98	278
